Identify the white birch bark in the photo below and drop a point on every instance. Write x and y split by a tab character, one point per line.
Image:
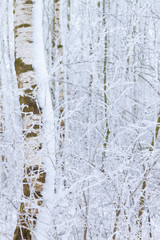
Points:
31	119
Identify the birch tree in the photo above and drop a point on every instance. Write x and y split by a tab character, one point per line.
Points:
31	120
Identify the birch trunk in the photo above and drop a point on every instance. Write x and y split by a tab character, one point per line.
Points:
31	120
106	42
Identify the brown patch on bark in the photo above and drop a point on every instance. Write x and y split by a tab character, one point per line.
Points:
21	67
29	2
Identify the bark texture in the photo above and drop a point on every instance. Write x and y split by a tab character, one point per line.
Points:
34	176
